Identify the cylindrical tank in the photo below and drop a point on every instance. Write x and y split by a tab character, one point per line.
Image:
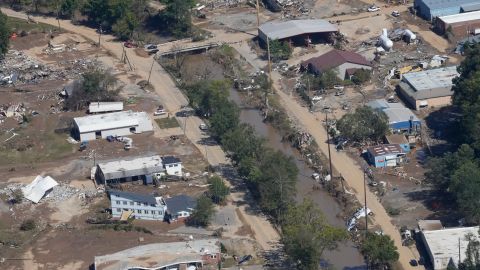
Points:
386	43
410	35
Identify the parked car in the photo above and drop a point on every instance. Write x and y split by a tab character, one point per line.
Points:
160	111
338	87
317	98
373	8
203	127
150	47
153	51
395	13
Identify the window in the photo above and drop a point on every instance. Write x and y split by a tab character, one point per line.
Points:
117	202
146	211
154	212
139	203
119	210
160	213
170	166
176	165
132	203
124	202
213	256
146	204
139	211
152	205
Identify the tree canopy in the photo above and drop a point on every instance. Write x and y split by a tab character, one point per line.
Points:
4	35
217	190
380	250
177	17
279	50
306	235
363	124
203	212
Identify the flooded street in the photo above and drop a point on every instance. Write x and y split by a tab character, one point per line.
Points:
347	256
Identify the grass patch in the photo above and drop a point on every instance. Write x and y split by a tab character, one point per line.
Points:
165	123
18	25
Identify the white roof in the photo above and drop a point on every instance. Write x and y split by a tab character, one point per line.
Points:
444	244
37	189
462	17
432	78
280	30
96	107
109	121
132	166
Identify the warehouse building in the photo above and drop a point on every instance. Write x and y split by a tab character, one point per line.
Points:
460	25
103	107
447	246
130	169
385	155
344	63
298	32
400	118
430	9
91	127
429	88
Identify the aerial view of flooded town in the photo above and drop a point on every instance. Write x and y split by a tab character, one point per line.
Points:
239	134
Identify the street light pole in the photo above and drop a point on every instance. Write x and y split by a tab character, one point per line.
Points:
365	198
258	14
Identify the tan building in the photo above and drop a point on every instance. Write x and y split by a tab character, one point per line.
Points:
429	88
460	25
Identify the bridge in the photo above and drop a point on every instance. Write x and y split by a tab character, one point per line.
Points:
190	49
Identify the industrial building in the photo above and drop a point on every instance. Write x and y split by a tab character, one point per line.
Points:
429	88
447	246
342	62
400	118
460	25
301	32
385	155
91	127
430	9
195	254
125	205
103	107
130	169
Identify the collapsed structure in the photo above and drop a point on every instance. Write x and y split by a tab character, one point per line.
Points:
429	88
39	187
177	255
123	123
301	32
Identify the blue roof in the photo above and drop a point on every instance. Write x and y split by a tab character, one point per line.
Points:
180	203
440	4
396	112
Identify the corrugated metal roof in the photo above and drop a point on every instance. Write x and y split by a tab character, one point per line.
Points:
37	189
429	83
130	167
170	160
462	17
136	197
96	107
385	149
281	30
396	139
335	58
396	112
470	7
106	121
180	203
441	4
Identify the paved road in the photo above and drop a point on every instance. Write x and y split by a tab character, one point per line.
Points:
172	99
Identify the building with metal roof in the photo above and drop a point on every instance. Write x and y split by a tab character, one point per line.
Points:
429	88
447	246
180	206
103	107
297	31
385	155
400	118
188	255
460	25
140	206
430	9
344	63
129	169
173	165
123	123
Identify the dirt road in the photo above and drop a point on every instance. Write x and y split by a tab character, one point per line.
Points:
172	98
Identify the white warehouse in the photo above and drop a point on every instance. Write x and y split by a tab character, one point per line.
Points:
91	127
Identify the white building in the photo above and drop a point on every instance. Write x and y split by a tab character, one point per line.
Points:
446	245
138	205
173	165
130	169
103	107
91	127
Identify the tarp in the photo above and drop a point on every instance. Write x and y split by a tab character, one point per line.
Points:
37	189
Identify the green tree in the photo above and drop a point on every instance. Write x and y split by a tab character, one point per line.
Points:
361	76
379	250
472	259
28	225
243	143
218	191
225	118
306	235
125	26
466	189
177	17
364	124
328	79
203	212
279	50
5	32
68	7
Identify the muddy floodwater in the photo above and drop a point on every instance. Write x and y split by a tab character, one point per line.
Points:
346	256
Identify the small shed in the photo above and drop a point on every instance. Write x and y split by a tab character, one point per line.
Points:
173	165
386	155
399	139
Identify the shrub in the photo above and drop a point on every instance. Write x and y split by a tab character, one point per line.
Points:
28	225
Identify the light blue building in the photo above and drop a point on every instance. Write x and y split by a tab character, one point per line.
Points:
430	9
137	205
400	118
385	155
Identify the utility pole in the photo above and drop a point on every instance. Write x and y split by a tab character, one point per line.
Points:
151	67
258	14
365	197
328	144
269	62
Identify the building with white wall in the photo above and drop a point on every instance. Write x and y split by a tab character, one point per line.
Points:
124	123
172	165
130	169
103	107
